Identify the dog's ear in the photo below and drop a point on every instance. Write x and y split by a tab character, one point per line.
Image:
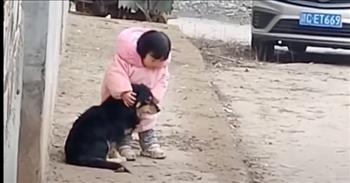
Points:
134	87
143	85
137	90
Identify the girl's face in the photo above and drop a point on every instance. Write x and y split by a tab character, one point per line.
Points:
151	63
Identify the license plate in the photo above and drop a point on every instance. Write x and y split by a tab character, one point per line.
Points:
321	20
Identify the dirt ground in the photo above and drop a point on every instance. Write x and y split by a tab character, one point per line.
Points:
226	117
193	127
292	118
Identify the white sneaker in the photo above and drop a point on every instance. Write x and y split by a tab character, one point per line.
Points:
127	152
154	151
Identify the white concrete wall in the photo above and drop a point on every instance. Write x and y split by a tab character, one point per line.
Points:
44	30
56	23
32	44
13	64
35	42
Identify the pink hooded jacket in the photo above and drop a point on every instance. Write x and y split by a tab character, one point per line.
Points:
127	68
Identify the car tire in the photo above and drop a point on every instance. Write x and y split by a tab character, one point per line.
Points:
298	48
83	7
99	8
263	50
79	7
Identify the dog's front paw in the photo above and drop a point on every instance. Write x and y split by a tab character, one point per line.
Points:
117	160
113	153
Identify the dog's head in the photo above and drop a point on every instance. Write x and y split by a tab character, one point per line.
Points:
145	103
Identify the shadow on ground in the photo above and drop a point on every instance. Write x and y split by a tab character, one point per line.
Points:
313	57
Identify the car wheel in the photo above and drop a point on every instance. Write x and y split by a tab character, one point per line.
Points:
83	7
298	48
263	50
79	7
99	8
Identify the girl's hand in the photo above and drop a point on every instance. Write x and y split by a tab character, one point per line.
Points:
129	98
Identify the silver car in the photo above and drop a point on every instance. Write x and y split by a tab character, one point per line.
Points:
298	24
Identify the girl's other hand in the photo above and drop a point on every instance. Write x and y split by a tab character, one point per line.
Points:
129	98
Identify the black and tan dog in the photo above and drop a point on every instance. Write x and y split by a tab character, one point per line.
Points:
92	134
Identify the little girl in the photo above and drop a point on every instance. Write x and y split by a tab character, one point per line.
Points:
142	56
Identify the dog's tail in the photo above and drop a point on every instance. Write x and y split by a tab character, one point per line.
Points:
99	163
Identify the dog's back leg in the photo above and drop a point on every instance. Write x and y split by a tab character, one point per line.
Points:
100	163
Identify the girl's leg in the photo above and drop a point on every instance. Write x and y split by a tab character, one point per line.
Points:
148	140
125	149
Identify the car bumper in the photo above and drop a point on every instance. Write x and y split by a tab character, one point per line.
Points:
308	40
283	25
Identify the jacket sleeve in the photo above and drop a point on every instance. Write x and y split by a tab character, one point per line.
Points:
160	88
117	79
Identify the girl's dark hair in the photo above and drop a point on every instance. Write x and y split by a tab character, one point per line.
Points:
154	42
